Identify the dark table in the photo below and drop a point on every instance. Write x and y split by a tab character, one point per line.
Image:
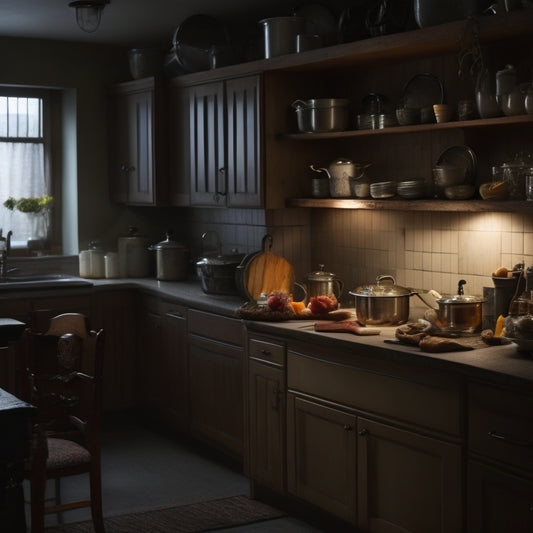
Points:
15	430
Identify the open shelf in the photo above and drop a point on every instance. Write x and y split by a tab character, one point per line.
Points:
418	128
397	204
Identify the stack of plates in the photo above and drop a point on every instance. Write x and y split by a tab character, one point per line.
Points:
367	121
383	189
411	189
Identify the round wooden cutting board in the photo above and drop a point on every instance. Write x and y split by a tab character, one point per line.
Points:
266	272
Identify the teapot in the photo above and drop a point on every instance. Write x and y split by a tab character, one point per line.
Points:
322	283
342	168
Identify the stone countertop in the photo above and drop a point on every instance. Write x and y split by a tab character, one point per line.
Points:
188	293
501	363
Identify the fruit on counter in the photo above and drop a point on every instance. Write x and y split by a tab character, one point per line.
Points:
279	301
320	305
498	330
298	307
502	272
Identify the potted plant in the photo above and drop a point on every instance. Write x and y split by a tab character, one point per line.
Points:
38	209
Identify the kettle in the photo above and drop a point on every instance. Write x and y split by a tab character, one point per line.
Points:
342	168
322	283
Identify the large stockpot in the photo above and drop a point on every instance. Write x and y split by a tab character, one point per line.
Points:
322	114
383	303
217	273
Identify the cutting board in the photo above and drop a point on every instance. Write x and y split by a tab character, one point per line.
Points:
267	272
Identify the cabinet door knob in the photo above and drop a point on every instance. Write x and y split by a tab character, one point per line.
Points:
222	170
363	432
127	168
347	427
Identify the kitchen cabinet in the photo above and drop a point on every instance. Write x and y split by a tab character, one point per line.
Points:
225	143
267	411
500	459
408	473
216	380
321	456
116	312
163	361
138	143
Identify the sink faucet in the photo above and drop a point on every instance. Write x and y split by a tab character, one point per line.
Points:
5	248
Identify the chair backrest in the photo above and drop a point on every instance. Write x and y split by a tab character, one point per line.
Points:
63	367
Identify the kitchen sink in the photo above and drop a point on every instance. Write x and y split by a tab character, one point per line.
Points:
19	282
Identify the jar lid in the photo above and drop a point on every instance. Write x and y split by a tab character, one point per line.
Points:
320	275
168	243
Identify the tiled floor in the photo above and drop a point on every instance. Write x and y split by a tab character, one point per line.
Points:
143	469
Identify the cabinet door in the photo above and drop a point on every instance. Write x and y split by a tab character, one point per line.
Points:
267	424
243	169
139	166
179	145
216	392
497	501
115	312
407	482
207	149
321	452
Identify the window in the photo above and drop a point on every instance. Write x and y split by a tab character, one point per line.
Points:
24	158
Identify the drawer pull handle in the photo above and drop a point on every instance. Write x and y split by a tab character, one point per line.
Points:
347	427
523	444
363	432
266	353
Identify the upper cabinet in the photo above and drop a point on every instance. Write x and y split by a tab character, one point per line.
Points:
225	143
138	162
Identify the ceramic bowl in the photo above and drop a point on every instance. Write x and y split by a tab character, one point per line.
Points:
459	192
407	116
449	175
443	112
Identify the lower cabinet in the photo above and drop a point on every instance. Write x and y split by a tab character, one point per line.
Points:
321	456
500	462
498	501
216	380
163	361
267	412
407	481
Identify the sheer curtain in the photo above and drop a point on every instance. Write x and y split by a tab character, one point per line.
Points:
22	160
21	175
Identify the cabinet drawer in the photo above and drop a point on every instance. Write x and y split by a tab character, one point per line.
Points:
414	403
215	327
267	351
500	425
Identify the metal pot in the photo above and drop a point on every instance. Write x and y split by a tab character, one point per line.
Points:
172	259
461	313
322	114
383	303
217	273
322	283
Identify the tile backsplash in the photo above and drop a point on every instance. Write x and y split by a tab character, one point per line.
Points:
420	249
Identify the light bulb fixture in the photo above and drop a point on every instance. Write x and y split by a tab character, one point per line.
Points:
89	13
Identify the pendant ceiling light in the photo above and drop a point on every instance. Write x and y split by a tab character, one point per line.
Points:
89	13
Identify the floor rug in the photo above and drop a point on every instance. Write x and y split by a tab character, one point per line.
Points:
190	518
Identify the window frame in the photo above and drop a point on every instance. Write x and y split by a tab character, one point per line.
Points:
51	150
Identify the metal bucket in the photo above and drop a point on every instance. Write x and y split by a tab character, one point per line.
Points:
280	34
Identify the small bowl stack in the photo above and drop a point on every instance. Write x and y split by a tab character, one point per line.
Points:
383	189
443	112
411	190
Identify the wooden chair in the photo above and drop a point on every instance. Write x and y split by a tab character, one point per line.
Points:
63	367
